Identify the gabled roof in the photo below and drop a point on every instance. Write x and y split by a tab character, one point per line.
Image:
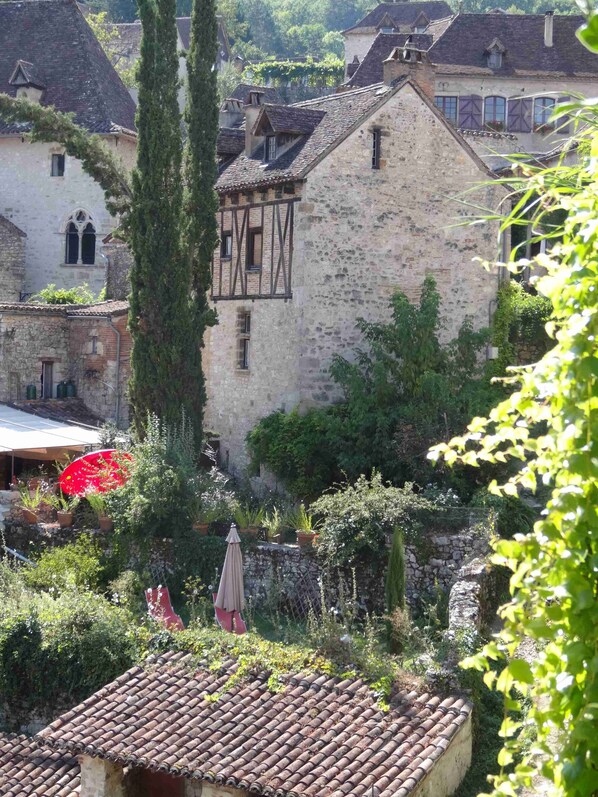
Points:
231	141
26	74
342	111
290	119
241	92
53	36
27	769
462	46
402	14
318	735
371	70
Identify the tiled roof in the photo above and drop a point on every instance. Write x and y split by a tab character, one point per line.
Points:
54	36
319	736
30	73
343	111
27	769
292	119
67	410
403	13
231	141
371	70
462	46
129	35
241	92
112	307
35	309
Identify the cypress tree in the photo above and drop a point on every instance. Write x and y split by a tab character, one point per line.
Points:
160	317
200	232
395	576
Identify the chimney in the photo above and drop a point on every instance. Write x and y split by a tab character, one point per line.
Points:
252	108
410	62
231	113
353	67
548	28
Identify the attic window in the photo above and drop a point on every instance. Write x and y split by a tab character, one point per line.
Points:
494	59
270	151
387	30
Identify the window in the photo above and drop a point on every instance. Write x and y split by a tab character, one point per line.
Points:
543	109
226	245
495	113
376	137
94	344
244	335
270	149
254	248
448	106
387	30
57	166
80	239
495	59
47	379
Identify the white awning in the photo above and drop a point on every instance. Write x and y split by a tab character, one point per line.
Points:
26	435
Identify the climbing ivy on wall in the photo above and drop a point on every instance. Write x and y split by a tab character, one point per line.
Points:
328	72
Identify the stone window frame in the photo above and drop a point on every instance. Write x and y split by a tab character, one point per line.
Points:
243	339
80	224
491	103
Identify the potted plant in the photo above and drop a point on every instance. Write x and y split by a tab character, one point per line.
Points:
97	502
204	517
31	501
303	523
274	525
248	520
65	508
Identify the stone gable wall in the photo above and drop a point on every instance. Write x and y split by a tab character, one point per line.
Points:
40	204
12	262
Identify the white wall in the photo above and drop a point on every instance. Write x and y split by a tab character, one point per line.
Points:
40	204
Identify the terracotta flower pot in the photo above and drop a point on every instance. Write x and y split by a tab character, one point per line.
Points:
250	531
65	519
305	539
29	516
106	523
201	529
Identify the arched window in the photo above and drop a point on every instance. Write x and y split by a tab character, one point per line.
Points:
80	245
543	109
495	113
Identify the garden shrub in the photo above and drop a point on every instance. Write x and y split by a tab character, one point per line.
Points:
357	519
75	565
53	295
512	515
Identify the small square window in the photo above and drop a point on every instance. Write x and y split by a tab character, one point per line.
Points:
254	249
226	245
57	166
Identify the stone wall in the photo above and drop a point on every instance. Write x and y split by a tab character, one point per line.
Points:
12	261
40	204
118	269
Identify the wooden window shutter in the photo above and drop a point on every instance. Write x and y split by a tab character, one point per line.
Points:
520	115
563	123
470	112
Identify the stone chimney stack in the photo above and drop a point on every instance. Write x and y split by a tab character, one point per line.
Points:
231	113
410	62
548	28
252	108
353	67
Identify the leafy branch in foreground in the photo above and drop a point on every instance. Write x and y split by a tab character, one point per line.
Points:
550	424
46	124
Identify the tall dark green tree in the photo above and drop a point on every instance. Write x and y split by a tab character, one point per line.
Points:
200	231
164	363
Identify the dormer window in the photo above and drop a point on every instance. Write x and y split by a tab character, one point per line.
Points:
27	82
494	54
270	152
387	30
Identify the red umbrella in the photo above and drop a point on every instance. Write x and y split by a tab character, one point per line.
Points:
99	471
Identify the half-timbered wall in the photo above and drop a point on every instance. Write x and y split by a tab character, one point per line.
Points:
241	217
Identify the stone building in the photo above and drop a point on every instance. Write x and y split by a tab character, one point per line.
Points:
497	76
49	55
333	206
151	732
404	18
43	345
12	260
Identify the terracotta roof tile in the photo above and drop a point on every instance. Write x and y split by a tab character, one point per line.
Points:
293	119
241	92
54	37
112	307
371	70
306	740
28	769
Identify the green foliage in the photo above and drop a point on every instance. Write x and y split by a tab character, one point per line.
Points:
53	295
214	500
358	519
248	516
395	575
549	427
59	569
158	498
512	515
299	519
198	557
109	39
296	449
329	72
520	320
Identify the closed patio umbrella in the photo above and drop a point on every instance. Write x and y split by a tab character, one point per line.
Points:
231	592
